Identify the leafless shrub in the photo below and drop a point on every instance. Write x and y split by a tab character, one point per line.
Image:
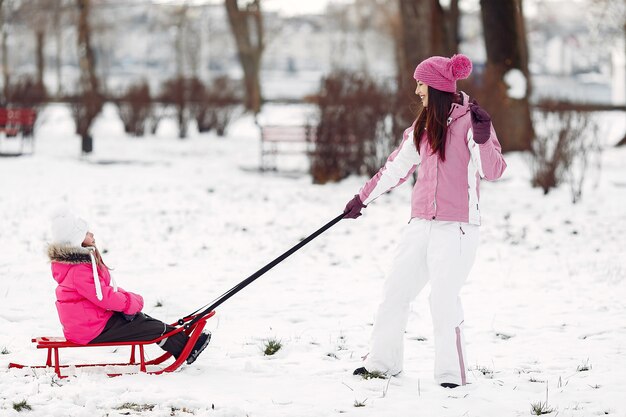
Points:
85	108
352	135
179	92
159	112
135	108
404	112
565	145
198	103
213	107
27	92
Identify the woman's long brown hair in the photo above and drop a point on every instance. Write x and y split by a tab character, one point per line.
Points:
434	119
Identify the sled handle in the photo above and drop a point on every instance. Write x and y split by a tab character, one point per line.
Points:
260	272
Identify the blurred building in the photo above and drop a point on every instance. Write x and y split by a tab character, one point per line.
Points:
569	53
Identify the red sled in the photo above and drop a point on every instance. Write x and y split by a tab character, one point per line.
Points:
53	344
192	325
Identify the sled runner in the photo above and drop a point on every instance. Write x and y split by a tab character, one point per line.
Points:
53	344
191	324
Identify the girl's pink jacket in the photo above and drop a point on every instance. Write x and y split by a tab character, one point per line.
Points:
447	191
82	315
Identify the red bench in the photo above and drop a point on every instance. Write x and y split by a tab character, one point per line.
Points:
17	122
53	344
284	139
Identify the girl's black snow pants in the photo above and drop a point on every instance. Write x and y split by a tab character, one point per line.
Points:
142	327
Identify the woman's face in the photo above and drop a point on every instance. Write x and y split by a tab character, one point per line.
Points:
89	240
422	92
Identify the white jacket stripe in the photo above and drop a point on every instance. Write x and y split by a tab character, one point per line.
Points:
475	152
473	167
396	169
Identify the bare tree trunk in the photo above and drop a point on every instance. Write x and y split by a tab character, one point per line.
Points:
59	46
507	50
5	51
90	101
193	49
39	38
425	30
247	28
180	26
86	58
623	141
453	17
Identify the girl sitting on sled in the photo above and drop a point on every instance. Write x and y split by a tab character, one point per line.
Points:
91	307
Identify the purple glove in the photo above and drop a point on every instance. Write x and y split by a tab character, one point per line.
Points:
353	208
481	123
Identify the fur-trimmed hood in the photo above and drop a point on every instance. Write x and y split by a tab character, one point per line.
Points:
68	254
75	255
86	294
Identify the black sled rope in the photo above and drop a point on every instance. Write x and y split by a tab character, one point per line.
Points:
256	275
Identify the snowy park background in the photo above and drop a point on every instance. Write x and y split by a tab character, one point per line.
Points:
183	221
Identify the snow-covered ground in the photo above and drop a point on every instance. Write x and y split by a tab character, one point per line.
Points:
183	221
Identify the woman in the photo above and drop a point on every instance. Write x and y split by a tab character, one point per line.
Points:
91	307
453	145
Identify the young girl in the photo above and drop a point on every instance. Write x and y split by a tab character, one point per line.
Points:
91	307
454	145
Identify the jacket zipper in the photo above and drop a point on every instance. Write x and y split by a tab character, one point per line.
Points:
448	122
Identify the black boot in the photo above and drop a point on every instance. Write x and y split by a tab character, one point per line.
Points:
360	371
449	385
201	343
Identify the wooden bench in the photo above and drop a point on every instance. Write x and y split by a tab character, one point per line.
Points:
284	139
17	124
53	344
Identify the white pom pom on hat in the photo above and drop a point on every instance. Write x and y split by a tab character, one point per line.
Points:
442	73
67	228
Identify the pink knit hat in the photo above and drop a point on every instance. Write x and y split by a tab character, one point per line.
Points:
441	73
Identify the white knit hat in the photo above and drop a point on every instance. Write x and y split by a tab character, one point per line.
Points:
67	228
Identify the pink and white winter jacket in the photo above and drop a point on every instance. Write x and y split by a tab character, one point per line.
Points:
82	312
447	191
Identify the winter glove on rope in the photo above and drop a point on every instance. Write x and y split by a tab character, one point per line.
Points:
353	208
481	123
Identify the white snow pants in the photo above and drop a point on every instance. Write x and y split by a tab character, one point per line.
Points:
442	252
